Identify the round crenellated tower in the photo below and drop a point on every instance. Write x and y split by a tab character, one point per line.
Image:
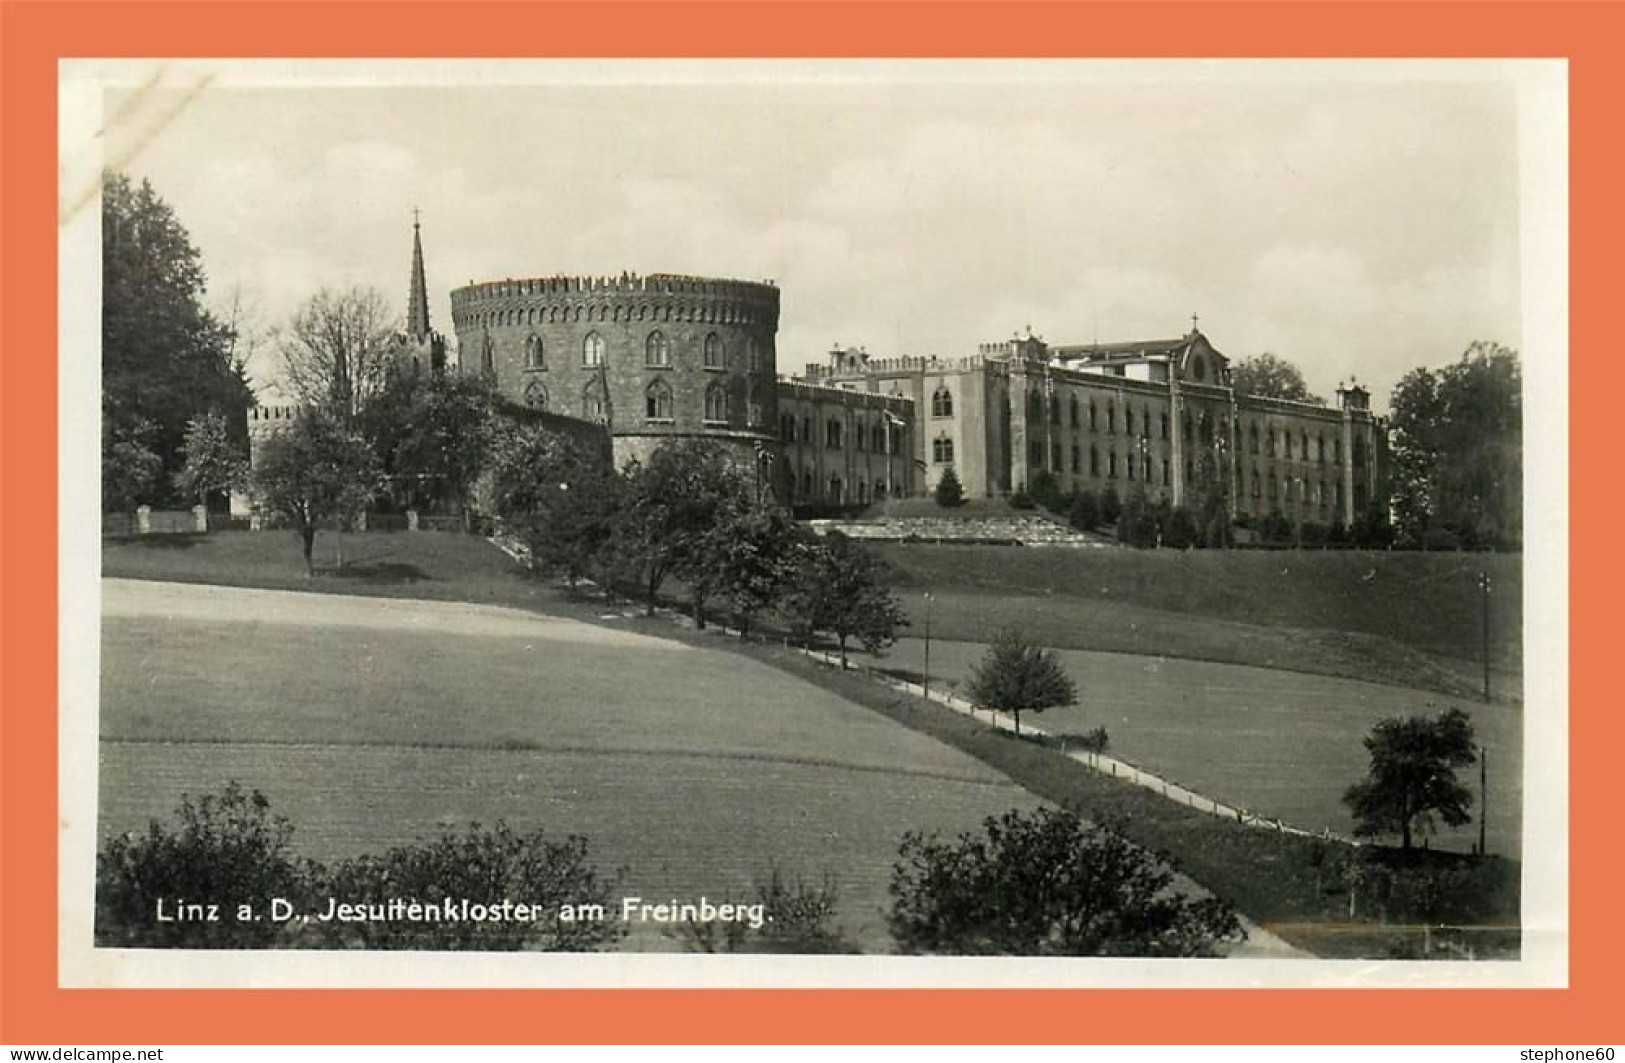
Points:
652	357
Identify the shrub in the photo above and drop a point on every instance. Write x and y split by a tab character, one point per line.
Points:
796	919
483	867
1047	884
1084	512
1111	506
227	850
1046	491
949	491
1180	531
1021	499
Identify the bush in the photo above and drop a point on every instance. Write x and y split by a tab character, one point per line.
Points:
1084	512
227	851
1047	884
1180	531
1021	499
949	491
1046	491
1111	506
795	919
1437	538
483	867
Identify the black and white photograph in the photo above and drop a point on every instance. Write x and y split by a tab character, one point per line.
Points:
752	522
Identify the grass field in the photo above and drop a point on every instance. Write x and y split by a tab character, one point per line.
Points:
371	725
1410	619
1282	744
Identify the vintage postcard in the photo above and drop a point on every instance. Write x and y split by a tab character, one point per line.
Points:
814	523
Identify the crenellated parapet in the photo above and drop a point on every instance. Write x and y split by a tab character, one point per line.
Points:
659	297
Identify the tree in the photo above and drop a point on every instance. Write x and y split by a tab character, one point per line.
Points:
1412	776
130	467
565	501
1270	377
1045	883
165	358
336	349
1111	506
316	471
841	588
1458	450
214	460
1046	490
755	552
431	433
1017	676
672	507
949	492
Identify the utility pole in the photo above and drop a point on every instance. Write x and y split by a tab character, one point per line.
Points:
1483	797
1484	598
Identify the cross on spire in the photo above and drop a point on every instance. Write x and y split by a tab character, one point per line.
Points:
415	213
1194	320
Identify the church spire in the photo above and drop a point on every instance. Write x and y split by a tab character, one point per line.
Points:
417	298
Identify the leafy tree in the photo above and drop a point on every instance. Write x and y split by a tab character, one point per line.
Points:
1017	676
336	349
214	459
565	501
165	358
228	849
1138	522
1045	883
1180	531
130	467
1412	776
431	432
949	491
1271	377
754	554
672	507
316	471
1458	449
841	588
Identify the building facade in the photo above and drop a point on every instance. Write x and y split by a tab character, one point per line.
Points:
1154	416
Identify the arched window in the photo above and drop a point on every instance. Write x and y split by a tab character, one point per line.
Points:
533	352
832	433
713	352
1035	407
1320	448
1303	450
657	350
1075	458
806	483
1337	451
1185	428
1111	465
1073	402
806	430
592	350
536	395
753	354
942	402
1128	425
592	402
787	427
1055	457
1253	435
1054	411
1286	441
835	489
657	401
1167	475
1274	486
942	450
1165	426
1111	418
1128	464
1094	461
716	403
1092	421
1258	489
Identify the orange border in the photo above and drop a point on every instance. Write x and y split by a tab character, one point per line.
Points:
35	35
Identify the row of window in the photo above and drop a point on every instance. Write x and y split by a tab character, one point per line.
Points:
656	352
942	405
802	489
657	402
870	437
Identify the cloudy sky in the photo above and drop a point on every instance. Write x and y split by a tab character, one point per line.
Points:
1354	219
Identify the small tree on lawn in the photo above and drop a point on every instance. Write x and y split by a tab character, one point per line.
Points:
842	588
1045	883
213	461
949	491
757	550
1018	676
1412	776
673	503
130	467
1084	512
562	499
316	471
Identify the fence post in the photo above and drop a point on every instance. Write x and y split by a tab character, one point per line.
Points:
411	520
143	519
200	518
